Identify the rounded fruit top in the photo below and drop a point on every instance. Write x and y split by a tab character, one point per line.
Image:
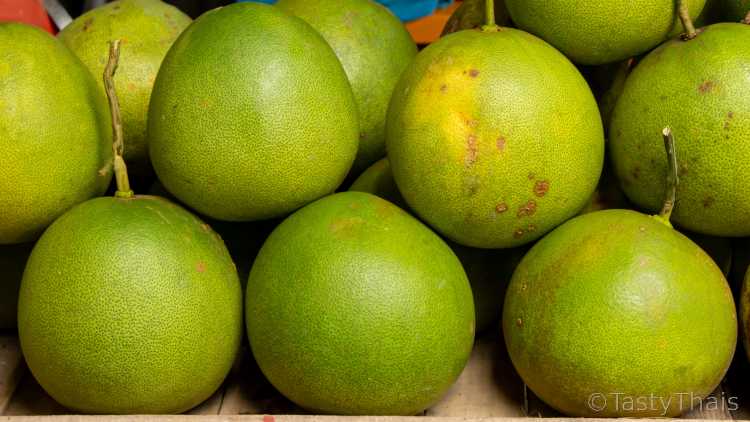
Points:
252	115
148	28
374	47
593	32
54	133
130	306
512	144
355	307
696	87
617	302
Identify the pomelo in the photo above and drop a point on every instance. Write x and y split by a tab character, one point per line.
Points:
355	307
148	28
54	133
494	137
694	86
617	306
129	305
252	115
600	31
12	263
374	47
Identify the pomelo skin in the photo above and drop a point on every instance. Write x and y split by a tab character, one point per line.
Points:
54	133
355	307
12	263
594	32
252	115
488	270
148	28
512	144
130	306
696	87
617	302
374	47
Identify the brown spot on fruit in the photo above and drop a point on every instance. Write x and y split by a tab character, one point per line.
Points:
524	286
473	73
636	172
500	144
706	87
531	228
519	322
527	210
443	88
201	267
472	123
501	208
541	188
518	233
205	227
87	24
471	150
708	201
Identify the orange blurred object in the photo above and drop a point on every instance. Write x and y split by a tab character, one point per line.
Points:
27	11
428	28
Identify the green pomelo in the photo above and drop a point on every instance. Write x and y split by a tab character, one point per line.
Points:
252	115
55	134
471	15
355	307
12	263
130	306
374	47
617	302
597	32
488	270
512	144
147	29
735	10
696	88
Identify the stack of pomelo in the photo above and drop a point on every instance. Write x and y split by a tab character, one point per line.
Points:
486	146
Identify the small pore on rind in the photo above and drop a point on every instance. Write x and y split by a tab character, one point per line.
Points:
541	188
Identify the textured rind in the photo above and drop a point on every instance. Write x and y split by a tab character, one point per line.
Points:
374	47
355	307
594	32
616	302
699	89
55	134
494	138
252	115
147	28
130	306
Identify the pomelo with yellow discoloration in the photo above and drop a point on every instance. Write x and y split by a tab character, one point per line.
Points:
511	144
147	29
55	134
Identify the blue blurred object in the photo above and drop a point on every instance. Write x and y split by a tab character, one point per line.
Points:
406	10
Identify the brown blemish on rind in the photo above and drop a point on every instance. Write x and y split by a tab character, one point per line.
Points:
472	123
519	322
706	87
541	188
443	88
636	172
527	210
500	144
87	24
501	208
473	73
531	228
471	150
708	201
206	228
531	176
201	267
518	233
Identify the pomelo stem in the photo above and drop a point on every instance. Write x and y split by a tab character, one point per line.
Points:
673	178
687	22
489	12
118	145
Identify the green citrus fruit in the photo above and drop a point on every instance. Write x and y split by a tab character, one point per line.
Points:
355	307
616	306
598	32
374	47
55	134
147	29
693	87
512	144
130	306
252	115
